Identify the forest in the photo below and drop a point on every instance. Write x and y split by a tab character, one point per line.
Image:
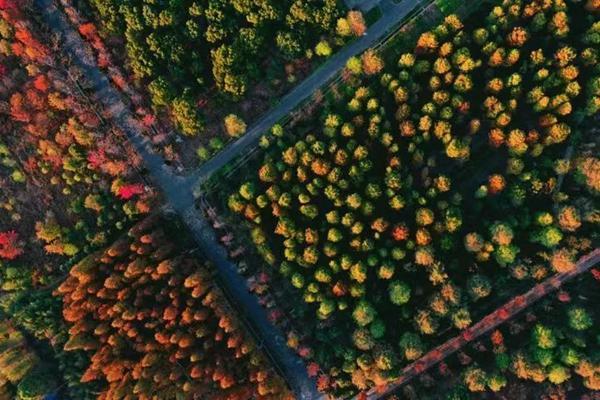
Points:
439	177
69	186
427	189
157	326
550	352
210	66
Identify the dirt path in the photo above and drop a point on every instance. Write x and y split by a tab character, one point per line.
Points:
486	324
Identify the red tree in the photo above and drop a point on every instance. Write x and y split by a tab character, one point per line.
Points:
126	192
7	5
10	248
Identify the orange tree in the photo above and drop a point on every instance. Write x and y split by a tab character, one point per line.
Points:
156	324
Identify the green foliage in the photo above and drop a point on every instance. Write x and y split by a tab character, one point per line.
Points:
363	313
37	384
399	292
186	116
579	319
411	346
479	286
543	337
167	43
434	169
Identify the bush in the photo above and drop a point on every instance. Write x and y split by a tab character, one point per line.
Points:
203	153
234	126
323	49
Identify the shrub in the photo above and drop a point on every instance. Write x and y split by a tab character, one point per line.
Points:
234	126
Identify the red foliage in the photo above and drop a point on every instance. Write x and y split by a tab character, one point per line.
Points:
313	369
263	277
17	108
596	274
41	83
88	30
339	289
89	119
496	183
305	352
419	367
400	232
30	165
36	99
148	120
467	335
564	297
96	158
443	369
103	60
275	315
9	245
503	313
519	300
7	5
126	192
119	80
323	383
34	49
497	338
41	125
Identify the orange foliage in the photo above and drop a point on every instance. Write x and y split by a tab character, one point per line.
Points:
593	5
496	183
148	302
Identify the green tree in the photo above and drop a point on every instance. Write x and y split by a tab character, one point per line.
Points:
161	92
579	319
363	313
479	286
399	292
543	337
186	116
37	384
411	346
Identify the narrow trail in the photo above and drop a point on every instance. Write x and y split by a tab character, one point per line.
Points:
486	324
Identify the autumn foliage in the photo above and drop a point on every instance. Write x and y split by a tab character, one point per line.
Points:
10	248
429	184
157	324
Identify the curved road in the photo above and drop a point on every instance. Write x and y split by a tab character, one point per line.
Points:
179	190
486	324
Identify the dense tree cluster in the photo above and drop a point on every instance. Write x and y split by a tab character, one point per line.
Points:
182	48
68	187
157	326
549	352
22	374
556	351
55	149
425	171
